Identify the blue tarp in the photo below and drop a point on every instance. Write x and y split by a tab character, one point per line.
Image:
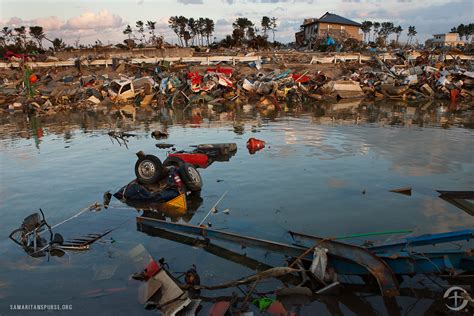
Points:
330	41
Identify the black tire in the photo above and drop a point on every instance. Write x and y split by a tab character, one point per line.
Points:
173	161
148	169
191	177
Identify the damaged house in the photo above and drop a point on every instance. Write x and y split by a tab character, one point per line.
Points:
330	24
444	40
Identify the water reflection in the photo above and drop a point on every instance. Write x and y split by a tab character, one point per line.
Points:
163	211
354	112
317	162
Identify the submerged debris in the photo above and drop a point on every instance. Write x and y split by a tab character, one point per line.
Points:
254	145
404	190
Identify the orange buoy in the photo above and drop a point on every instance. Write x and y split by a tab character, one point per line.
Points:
33	78
254	145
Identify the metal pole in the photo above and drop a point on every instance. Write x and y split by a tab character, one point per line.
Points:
213	208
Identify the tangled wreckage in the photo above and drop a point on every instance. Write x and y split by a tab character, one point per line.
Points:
313	267
266	83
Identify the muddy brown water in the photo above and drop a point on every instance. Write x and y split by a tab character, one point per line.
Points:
325	171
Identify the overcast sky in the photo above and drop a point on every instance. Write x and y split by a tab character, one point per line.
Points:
89	20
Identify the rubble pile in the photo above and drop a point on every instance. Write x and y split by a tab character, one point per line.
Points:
266	84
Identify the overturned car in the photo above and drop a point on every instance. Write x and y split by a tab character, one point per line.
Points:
171	184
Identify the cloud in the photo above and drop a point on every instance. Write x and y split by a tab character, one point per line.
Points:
191	1
88	26
52	23
223	22
86	21
90	20
436	17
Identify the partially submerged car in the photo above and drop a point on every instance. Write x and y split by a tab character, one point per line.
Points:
169	184
121	89
124	88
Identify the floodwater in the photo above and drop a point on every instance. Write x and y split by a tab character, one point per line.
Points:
325	171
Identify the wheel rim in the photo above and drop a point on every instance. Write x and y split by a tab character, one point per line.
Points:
194	175
146	169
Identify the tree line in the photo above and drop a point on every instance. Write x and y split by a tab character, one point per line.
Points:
465	31
246	33
379	32
198	31
27	39
192	31
139	34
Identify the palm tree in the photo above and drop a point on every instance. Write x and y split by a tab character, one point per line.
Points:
37	33
386	29
376	26
21	36
411	33
140	26
469	31
241	27
58	44
173	24
128	31
266	25
398	30
208	29
151	25
193	29
461	30
201	29
7	35
366	27
183	32
274	26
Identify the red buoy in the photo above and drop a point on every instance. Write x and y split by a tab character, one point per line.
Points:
254	145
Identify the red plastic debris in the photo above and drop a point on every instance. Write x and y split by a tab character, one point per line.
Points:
254	145
454	95
151	269
219	309
33	78
225	71
197	160
300	78
196	79
277	308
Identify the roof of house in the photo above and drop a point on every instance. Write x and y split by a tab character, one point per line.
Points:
444	34
333	18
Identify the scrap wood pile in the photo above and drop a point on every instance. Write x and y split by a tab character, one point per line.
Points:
267	86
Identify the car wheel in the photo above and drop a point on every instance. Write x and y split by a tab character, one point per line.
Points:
191	177
173	161
148	169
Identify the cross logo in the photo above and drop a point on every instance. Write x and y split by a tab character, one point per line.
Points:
456	301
